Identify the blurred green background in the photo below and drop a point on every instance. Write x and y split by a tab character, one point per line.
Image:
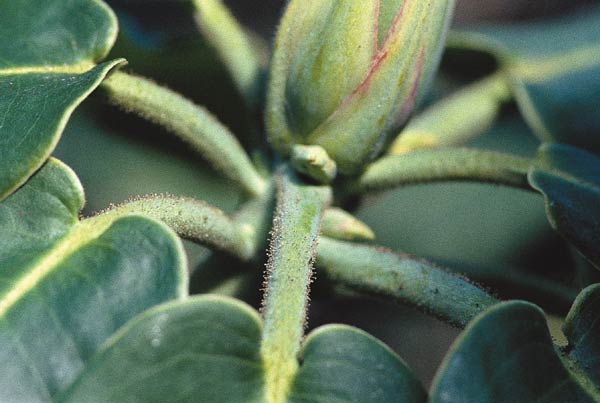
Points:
487	232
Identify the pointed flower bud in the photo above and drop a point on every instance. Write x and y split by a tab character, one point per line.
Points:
346	74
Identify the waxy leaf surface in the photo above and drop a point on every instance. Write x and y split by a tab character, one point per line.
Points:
207	349
47	67
554	70
569	179
507	355
582	329
67	285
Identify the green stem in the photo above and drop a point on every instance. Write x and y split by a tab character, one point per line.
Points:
465	114
289	271
191	123
191	219
236	48
381	272
444	165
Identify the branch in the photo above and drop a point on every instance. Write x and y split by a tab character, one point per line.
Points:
289	272
381	272
235	47
425	166
191	219
191	123
467	113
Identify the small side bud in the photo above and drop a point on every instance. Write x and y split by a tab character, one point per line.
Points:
314	162
342	225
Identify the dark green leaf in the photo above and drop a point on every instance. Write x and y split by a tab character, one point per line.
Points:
344	364
569	179
554	67
506	355
582	328
66	286
47	68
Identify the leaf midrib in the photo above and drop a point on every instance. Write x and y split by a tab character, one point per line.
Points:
76	68
82	234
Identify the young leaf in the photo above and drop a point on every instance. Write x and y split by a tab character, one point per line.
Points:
66	286
569	179
47	68
554	70
339	224
507	355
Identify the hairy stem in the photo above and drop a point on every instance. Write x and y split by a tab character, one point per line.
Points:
463	115
191	123
192	219
381	272
289	271
444	165
234	46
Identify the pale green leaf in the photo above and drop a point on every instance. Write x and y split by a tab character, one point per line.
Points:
206	349
66	285
47	68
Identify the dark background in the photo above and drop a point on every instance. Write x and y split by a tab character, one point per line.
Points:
484	230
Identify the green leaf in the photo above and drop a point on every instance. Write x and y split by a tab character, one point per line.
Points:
582	328
206	349
507	355
66	285
344	364
569	179
46	70
554	69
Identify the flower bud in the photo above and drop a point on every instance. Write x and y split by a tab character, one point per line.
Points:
346	74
